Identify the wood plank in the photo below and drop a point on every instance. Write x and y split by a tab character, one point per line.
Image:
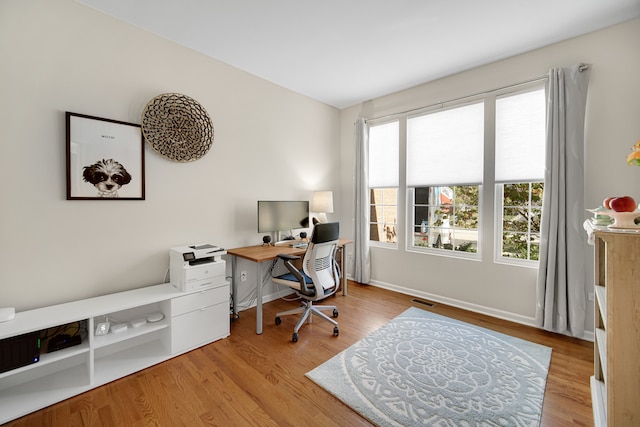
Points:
622	273
259	380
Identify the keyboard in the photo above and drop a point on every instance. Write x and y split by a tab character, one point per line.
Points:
299	245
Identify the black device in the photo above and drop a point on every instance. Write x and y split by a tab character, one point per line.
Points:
18	351
303	234
266	240
63	341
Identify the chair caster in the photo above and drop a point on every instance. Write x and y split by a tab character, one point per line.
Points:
294	337
335	312
336	331
278	320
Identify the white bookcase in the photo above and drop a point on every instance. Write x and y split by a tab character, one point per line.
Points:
191	319
615	385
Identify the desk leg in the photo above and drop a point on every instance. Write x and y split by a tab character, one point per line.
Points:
259	298
234	285
343	255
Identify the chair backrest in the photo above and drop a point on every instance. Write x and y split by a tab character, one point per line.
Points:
319	260
328	232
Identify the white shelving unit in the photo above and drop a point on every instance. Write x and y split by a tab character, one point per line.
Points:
191	319
615	385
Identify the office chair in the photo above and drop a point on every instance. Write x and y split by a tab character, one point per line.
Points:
319	279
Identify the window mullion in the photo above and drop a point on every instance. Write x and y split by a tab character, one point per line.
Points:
402	219
488	227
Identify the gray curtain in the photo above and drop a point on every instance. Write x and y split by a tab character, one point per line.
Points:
362	270
561	293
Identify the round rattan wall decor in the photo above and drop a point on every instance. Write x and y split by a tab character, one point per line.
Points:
177	127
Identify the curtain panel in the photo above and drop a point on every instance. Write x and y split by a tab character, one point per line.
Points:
362	268
561	294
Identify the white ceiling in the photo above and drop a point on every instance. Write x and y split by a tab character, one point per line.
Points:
343	52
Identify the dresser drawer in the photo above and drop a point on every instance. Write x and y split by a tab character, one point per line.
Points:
199	300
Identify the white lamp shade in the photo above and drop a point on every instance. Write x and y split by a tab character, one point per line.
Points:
322	202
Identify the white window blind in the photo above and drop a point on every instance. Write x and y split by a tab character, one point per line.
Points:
520	137
446	148
384	155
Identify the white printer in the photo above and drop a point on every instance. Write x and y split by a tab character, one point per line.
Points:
197	266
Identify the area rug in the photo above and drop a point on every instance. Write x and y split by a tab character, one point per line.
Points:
423	369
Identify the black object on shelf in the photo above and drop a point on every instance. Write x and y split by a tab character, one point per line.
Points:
18	351
63	341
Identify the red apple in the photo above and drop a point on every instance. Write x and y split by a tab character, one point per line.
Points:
623	204
607	202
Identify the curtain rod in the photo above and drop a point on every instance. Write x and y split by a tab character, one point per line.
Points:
581	68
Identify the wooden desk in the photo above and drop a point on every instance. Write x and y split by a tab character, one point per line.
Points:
264	253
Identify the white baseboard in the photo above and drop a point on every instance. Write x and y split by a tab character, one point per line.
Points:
500	314
589	336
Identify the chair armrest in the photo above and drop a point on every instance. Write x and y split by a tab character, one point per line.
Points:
288	257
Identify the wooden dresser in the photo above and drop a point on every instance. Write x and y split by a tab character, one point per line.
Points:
615	385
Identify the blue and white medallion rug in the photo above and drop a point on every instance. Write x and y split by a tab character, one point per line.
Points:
423	369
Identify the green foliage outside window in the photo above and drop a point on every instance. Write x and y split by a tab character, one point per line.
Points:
521	217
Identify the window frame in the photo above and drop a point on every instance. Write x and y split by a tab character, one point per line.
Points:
490	203
371	223
498	200
481	102
411	247
377	243
499	258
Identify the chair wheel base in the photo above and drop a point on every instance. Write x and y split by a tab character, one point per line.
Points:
294	337
336	331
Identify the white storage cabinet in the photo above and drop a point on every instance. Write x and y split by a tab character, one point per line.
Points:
191	319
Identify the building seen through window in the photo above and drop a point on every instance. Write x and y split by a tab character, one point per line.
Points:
446	218
383	215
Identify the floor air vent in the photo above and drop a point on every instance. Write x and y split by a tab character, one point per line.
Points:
423	302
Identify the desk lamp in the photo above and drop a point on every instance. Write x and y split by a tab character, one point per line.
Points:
322	203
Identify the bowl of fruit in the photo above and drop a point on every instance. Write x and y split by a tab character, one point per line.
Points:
622	209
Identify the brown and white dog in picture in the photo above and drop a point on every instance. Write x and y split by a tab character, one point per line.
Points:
108	176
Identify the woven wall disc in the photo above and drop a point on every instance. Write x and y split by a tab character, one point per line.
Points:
177	127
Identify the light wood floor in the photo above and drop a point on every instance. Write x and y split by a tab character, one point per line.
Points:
258	380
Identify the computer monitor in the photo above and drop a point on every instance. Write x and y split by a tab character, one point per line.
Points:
276	216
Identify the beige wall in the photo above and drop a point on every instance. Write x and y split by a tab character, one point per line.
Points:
57	56
612	127
269	143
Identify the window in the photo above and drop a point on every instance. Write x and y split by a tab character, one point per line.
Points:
519	173
446	218
383	215
383	182
445	152
521	213
461	160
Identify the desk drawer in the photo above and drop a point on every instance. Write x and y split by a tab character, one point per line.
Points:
199	300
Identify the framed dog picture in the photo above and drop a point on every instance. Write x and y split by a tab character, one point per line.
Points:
105	159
